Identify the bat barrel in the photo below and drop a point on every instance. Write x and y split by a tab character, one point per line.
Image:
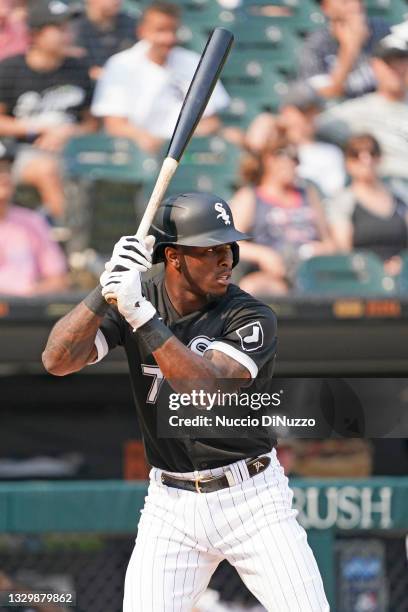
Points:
211	63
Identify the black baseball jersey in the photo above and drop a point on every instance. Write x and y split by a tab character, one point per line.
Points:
236	324
44	98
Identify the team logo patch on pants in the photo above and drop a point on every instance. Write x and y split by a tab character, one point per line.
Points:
251	336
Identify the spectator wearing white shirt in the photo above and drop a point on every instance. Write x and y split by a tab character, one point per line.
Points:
320	162
142	89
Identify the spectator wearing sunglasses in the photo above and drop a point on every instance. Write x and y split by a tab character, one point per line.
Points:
368	215
283	215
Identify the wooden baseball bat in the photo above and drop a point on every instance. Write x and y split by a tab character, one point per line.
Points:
201	87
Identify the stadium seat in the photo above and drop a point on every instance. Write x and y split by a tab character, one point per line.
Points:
394	11
243	68
132	7
248	100
301	16
207	15
402	279
191	38
355	274
105	184
203	178
211	151
257	34
98	155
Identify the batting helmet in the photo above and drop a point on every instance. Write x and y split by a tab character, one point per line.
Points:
194	219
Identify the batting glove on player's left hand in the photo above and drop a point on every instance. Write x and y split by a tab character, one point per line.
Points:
130	253
126	288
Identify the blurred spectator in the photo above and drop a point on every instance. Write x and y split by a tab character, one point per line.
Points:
367	215
13	30
261	131
335	59
31	263
142	89
103	31
284	217
320	162
44	96
383	113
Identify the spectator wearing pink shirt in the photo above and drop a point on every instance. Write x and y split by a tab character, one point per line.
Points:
31	263
13	30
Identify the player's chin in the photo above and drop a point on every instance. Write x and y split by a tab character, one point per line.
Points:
220	285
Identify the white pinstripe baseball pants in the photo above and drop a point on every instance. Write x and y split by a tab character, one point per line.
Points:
182	537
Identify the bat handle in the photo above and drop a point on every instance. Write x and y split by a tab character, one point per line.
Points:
167	171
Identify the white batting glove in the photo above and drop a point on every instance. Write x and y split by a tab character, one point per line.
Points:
126	288
130	253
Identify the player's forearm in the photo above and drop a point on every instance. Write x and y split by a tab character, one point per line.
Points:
71	344
183	369
175	360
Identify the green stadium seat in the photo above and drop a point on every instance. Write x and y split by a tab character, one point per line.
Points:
394	11
201	15
208	15
256	34
105	183
241	68
402	279
300	15
98	155
211	151
355	274
204	178
132	7
191	38
248	100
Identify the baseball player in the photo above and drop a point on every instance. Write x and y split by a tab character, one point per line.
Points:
209	498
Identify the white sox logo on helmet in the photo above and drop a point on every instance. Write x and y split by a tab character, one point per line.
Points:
219	207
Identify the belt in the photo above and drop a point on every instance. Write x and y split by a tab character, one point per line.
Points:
214	483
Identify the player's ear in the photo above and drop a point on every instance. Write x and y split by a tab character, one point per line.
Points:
172	257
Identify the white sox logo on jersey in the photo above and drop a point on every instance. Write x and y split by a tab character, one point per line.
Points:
199	344
219	207
251	336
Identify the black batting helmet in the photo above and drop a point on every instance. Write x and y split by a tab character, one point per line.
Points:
194	219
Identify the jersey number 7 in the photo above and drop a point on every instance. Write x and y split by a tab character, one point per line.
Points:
158	380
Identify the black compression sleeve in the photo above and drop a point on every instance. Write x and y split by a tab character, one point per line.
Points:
96	302
154	334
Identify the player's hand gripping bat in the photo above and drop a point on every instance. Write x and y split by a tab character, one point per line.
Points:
201	87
